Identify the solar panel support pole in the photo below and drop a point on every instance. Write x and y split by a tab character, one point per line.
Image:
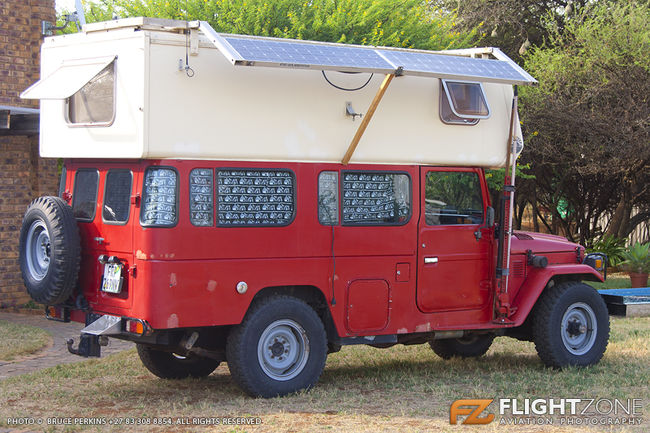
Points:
367	117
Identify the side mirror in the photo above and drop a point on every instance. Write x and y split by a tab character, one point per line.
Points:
489	222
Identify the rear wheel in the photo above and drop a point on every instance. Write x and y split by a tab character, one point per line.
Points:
167	365
570	325
279	348
471	346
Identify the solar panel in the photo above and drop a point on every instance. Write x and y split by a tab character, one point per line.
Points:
444	66
287	53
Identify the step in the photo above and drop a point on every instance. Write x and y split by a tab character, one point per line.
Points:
627	302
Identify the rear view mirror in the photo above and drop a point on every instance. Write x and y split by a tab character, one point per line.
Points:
489	216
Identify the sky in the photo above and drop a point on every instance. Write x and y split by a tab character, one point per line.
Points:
67	4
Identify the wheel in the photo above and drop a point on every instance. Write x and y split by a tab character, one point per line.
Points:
570	325
471	346
49	250
279	348
167	365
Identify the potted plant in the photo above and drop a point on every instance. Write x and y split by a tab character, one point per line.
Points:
636	260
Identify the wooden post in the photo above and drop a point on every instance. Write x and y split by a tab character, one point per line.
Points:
367	117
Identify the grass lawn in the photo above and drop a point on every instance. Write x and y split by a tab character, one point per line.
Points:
619	280
404	388
20	340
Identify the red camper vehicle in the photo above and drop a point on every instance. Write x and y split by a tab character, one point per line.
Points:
223	201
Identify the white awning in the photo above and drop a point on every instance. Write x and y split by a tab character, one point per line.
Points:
64	82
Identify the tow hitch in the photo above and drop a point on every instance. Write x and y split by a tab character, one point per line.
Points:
94	335
89	345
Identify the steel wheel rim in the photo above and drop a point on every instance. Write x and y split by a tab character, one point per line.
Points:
38	250
579	328
283	350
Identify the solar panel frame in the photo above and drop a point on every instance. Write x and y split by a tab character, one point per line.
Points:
244	50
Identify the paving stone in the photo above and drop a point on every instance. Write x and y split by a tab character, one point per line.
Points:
56	354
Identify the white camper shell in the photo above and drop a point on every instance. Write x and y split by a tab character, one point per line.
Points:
154	89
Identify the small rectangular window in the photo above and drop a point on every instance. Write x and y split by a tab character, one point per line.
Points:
160	197
453	198
462	103
94	103
328	198
84	199
201	193
376	198
117	196
249	197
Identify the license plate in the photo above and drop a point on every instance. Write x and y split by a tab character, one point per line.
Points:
112	281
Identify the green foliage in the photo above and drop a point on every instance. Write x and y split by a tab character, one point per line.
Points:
636	258
407	23
611	246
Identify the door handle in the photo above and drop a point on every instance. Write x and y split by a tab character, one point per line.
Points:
430	260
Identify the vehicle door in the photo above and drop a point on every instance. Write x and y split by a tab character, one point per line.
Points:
453	255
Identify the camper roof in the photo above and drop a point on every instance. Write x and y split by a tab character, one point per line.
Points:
476	64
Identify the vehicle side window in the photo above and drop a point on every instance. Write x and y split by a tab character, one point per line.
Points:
117	196
453	198
201	192
462	103
84	199
250	197
94	103
376	198
160	197
328	198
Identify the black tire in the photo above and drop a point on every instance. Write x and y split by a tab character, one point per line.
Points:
471	346
570	325
296	333
49	250
166	365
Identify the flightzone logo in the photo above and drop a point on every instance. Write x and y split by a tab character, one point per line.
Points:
548	411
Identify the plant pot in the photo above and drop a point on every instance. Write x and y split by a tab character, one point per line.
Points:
638	280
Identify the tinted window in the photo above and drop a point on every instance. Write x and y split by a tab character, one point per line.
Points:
117	196
84	200
159	197
328	198
371	198
201	192
247	197
453	198
462	103
94	102
62	181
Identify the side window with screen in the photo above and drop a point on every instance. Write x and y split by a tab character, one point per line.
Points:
376	198
117	196
94	103
462	103
201	193
84	198
328	198
453	198
258	198
160	197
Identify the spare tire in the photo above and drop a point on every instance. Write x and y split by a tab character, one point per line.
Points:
50	250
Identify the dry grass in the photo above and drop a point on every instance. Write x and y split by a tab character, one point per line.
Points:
20	340
404	388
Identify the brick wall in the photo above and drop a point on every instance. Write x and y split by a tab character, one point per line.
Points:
23	174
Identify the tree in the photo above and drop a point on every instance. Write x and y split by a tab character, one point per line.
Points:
588	121
404	23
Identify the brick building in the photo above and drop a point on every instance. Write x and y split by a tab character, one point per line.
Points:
23	174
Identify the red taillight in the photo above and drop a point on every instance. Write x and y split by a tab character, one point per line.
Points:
134	326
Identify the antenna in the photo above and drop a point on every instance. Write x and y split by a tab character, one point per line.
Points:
80	13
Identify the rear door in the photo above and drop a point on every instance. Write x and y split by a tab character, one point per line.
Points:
453	265
103	205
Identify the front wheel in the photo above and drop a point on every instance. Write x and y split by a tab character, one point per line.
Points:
570	325
279	348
